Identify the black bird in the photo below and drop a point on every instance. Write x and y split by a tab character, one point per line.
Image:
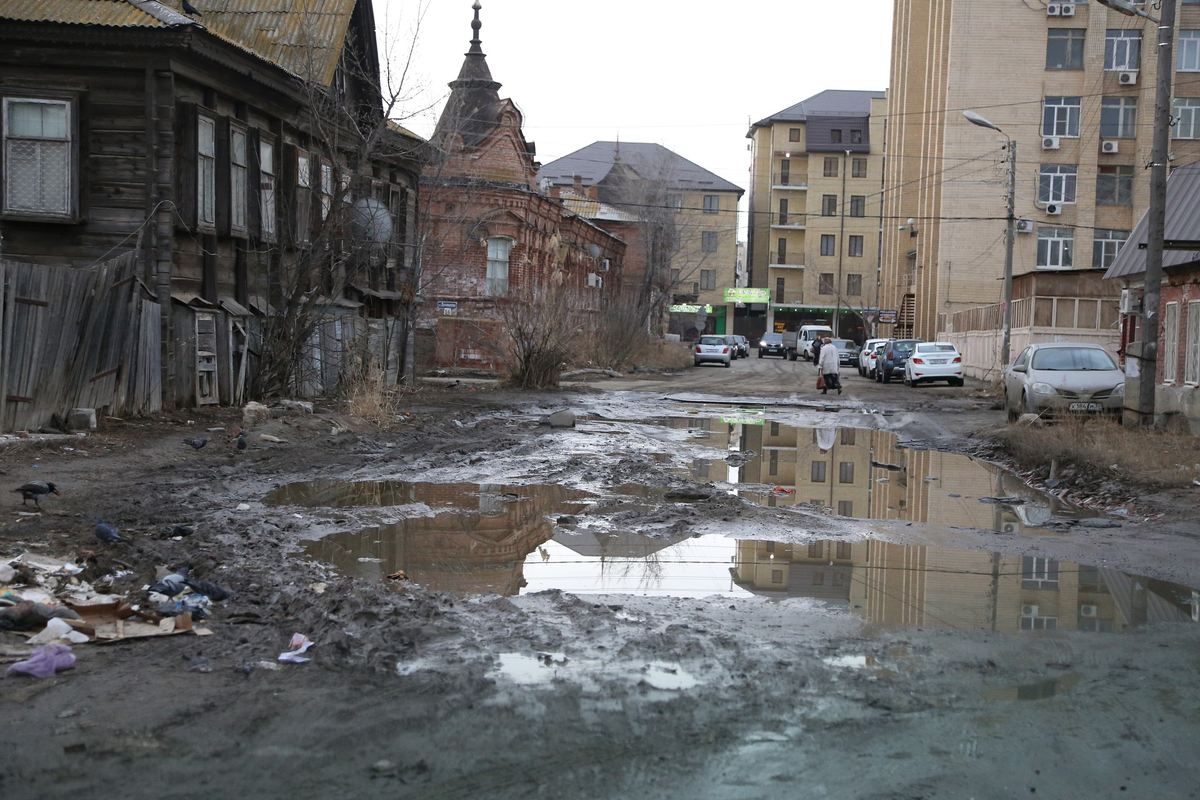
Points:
196	443
35	491
190	9
241	443
107	533
173	584
209	590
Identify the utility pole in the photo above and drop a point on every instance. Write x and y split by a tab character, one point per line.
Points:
1156	216
841	250
1005	351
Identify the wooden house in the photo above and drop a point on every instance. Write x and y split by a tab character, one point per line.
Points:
243	156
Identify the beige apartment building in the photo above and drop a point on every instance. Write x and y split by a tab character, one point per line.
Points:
816	184
1073	84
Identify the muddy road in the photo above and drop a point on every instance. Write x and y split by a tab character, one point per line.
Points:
718	584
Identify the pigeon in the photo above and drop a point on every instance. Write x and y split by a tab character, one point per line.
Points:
241	443
107	533
181	530
36	490
191	10
209	590
196	443
173	584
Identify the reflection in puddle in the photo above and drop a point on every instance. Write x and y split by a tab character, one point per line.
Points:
1040	690
546	667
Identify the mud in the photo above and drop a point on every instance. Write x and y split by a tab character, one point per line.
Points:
633	608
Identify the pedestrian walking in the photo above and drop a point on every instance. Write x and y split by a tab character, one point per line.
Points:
827	366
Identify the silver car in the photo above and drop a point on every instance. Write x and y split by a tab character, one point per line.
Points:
1063	377
713	350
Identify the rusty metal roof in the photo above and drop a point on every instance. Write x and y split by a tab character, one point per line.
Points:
304	37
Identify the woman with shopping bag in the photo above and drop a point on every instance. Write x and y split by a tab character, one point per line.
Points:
827	366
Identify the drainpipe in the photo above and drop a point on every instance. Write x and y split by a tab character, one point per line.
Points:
841	246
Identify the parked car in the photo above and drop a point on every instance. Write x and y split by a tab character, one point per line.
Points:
864	356
873	357
712	350
743	345
893	357
771	344
934	361
1063	376
847	351
732	341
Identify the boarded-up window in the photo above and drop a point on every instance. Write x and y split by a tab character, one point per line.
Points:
1170	343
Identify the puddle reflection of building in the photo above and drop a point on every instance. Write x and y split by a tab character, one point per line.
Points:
905	585
480	550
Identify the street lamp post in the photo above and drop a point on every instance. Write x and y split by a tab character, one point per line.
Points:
1157	212
1006	341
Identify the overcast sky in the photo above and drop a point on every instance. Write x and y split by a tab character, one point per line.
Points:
688	76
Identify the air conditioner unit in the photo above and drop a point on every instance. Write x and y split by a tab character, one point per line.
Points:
1087	611
1054	9
1010	527
1024	226
1029	611
594	281
1053	209
1051	142
1067	10
1131	301
1128	78
1110	146
605	265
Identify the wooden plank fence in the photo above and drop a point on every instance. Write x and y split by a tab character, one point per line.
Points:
73	338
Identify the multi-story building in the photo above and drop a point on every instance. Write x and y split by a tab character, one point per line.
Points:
1073	84
685	226
815	200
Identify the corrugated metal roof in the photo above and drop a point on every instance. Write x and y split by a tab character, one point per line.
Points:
1182	222
106	13
304	37
596	160
839	102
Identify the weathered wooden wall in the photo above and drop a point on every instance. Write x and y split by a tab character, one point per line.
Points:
74	338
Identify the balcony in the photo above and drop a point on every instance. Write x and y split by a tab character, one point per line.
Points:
783	262
788	222
786	181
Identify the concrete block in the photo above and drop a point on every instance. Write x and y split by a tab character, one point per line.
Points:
82	419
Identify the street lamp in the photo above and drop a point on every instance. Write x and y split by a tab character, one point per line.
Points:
976	119
1126	8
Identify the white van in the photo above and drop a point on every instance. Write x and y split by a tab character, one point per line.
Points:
809	334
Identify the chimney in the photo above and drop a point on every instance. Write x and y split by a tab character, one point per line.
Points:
579	184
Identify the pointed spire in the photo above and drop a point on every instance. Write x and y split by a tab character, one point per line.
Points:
475	73
476	42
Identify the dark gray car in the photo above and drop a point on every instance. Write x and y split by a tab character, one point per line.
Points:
893	357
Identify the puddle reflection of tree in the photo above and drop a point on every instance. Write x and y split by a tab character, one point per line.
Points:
652	566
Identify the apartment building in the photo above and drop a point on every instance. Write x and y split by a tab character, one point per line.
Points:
1073	84
815	199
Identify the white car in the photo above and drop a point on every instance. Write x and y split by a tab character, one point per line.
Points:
934	361
873	357
864	357
713	350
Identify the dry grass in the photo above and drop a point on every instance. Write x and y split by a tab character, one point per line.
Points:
368	396
670	356
1149	458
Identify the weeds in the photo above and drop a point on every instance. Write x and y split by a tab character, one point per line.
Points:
368	396
1150	458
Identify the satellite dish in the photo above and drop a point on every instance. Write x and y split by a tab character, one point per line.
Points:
370	222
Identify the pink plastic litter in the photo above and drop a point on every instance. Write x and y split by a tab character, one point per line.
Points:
45	662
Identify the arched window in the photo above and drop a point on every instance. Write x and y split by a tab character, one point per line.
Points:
499	249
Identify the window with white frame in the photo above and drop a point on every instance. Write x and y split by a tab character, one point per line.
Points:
38	171
1187	50
1118	118
266	189
1106	243
1039	573
1060	116
1122	50
1191	359
1114	185
238	171
1170	341
206	172
1187	118
1054	248
1056	183
498	251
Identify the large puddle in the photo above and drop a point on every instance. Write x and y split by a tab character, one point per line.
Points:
496	539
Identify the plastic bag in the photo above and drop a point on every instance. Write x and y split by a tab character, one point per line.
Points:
45	662
820	382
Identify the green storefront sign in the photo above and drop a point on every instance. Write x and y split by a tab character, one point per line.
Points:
745	294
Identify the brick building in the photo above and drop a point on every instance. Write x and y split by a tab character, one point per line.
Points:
490	236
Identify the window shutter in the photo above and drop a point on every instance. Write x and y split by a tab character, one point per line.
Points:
222	182
186	166
253	188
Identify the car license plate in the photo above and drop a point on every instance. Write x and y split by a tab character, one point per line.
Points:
937	361
1085	407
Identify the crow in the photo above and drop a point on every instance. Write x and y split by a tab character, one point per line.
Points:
107	533
191	10
209	590
196	443
36	490
173	584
